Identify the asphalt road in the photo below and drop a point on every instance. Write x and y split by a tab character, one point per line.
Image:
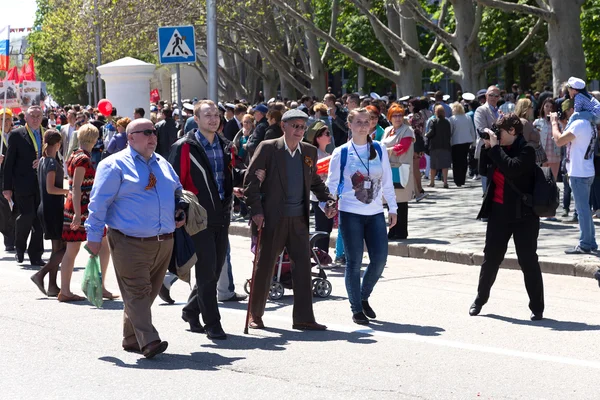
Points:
424	345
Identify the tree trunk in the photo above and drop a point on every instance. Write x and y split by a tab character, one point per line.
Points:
564	44
361	80
410	81
317	71
270	80
472	78
287	91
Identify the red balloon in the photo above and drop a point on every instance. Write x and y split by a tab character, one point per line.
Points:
105	107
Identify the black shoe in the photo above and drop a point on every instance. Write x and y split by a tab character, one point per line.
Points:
38	263
367	310
236	297
165	295
474	310
216	333
19	257
360	318
195	325
9	248
597	276
536	316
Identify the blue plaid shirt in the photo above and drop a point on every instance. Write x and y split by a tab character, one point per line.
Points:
583	103
214	153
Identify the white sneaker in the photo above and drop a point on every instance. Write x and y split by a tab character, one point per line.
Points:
477	178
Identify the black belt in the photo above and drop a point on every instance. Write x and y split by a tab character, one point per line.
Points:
157	238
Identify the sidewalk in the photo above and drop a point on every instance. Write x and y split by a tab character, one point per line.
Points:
443	227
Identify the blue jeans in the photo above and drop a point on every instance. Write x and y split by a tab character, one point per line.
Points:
339	242
581	188
225	285
483	183
356	231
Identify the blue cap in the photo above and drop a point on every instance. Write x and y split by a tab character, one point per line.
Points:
482	92
190	124
262	108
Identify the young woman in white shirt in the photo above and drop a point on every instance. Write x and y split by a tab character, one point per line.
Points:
365	179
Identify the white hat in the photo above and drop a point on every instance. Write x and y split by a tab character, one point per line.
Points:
385	98
271	100
374	96
230	105
576	83
188	106
404	98
446	97
432	98
468	96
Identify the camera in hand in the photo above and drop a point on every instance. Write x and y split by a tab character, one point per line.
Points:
486	136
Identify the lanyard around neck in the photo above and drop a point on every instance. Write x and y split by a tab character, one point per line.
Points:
33	139
361	161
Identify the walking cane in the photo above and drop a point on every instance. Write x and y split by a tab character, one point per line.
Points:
252	279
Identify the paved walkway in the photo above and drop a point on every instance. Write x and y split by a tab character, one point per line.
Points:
443	227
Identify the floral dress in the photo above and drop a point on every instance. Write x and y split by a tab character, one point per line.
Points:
78	159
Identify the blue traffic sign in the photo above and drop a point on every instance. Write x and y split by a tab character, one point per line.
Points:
176	44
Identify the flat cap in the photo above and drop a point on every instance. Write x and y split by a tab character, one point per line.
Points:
294	114
140	124
262	108
576	83
566	104
481	93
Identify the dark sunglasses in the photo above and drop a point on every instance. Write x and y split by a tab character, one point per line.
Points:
325	134
147	132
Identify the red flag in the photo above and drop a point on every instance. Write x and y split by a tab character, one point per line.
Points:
154	96
12	74
323	166
28	70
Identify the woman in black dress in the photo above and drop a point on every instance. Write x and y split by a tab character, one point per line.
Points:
50	211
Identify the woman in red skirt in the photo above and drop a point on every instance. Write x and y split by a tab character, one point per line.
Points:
81	179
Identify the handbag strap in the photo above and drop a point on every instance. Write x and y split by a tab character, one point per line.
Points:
523	196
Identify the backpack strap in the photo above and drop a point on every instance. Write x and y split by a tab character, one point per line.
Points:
378	148
343	159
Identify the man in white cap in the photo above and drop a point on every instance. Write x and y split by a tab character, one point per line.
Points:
280	208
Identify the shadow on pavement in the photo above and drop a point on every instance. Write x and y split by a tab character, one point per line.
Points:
561	326
392	327
422	241
170	362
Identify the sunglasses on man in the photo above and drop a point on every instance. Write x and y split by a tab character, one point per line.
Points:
147	132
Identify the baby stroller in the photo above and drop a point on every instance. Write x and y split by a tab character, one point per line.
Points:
283	275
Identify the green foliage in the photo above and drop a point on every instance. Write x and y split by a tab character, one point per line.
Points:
590	27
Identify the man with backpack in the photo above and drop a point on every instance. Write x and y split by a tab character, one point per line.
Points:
511	170
580	139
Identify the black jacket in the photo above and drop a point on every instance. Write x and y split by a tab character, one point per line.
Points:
191	163
258	135
167	135
340	127
273	132
517	164
439	136
230	129
19	175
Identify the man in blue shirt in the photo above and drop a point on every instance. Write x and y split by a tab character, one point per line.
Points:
137	194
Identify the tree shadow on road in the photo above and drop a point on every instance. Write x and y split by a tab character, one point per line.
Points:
561	326
170	362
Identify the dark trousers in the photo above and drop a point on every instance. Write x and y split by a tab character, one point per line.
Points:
26	222
400	230
211	248
322	224
459	162
525	236
472	161
7	223
291	233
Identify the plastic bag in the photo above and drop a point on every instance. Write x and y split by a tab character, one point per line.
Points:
92	282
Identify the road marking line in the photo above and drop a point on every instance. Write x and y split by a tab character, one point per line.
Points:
437	341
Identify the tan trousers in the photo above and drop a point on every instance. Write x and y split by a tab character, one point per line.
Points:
140	269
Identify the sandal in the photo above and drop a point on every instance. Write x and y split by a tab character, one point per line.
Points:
67	299
109	296
53	292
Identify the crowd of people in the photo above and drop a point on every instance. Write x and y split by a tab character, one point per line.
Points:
344	160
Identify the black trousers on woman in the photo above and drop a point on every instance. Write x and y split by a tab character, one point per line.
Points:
400	230
460	153
525	236
322	224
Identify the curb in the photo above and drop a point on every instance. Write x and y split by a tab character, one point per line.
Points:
548	265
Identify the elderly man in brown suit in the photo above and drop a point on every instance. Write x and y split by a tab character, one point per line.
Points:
280	206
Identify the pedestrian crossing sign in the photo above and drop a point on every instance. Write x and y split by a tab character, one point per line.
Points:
176	44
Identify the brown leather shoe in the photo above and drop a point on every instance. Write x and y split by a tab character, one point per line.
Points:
154	348
309	326
256	323
134	348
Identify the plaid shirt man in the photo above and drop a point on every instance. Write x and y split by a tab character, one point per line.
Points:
214	152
